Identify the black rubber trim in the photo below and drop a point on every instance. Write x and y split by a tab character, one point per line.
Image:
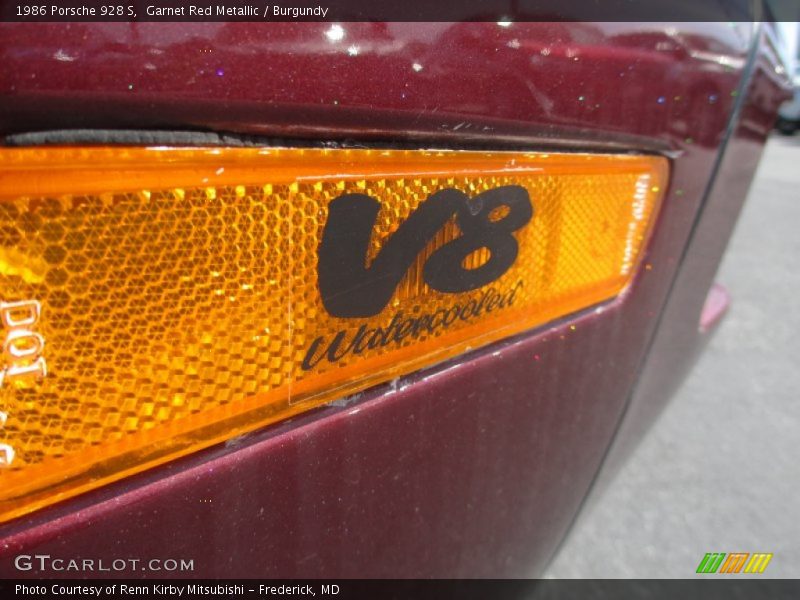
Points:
144	137
133	137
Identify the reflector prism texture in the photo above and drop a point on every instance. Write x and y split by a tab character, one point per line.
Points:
177	301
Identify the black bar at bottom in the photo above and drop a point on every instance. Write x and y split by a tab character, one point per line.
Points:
406	589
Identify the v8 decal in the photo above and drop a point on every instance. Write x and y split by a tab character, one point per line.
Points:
351	289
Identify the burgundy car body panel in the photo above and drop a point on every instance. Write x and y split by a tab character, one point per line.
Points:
439	81
475	467
696	305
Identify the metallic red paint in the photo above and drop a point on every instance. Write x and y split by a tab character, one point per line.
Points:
638	84
475	467
686	327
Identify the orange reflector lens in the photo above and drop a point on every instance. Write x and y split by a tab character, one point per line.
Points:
156	301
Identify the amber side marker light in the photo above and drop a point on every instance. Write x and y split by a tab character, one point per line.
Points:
156	301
